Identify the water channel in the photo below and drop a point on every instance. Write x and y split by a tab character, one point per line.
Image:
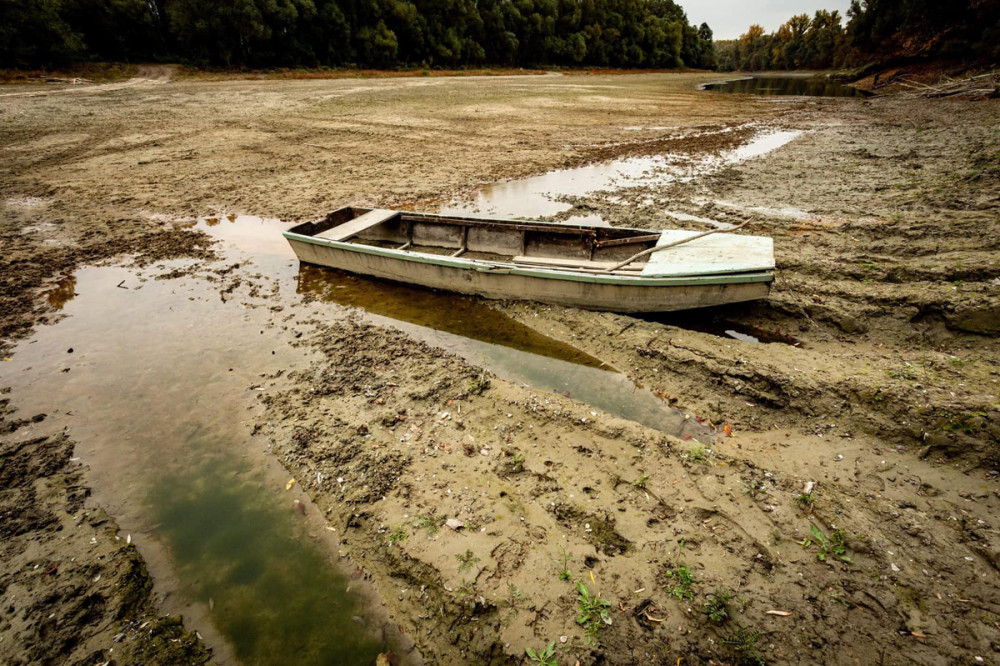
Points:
808	86
544	195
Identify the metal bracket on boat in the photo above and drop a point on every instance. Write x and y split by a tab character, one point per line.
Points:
651	250
465	243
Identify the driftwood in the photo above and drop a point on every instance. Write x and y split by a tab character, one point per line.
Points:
57	79
982	85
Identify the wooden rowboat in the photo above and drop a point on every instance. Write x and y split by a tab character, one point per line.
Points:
592	267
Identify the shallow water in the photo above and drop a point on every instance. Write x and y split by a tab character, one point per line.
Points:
539	196
460	316
723	322
155	394
788	85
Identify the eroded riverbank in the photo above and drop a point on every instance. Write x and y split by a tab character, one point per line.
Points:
880	389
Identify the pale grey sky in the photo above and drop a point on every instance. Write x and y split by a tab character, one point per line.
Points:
730	18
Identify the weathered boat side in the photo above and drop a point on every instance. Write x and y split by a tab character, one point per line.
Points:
593	292
551	263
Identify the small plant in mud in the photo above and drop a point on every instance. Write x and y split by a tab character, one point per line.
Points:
744	644
564	560
543	657
905	372
516	462
479	384
755	488
467	588
592	612
396	535
834	545
513	601
683	580
466	561
429	522
806	500
697	453
717	606
642	482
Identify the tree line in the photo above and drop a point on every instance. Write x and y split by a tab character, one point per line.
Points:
876	30
366	33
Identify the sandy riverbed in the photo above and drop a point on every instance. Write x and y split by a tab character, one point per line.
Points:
881	388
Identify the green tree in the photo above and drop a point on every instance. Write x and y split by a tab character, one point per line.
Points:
34	32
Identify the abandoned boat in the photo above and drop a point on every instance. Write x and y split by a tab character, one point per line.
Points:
591	267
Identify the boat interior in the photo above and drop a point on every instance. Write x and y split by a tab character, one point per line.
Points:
570	247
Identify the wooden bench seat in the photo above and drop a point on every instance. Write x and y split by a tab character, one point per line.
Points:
359	224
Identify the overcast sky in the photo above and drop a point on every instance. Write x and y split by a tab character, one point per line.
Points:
730	18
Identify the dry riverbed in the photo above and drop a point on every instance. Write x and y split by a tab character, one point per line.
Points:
842	512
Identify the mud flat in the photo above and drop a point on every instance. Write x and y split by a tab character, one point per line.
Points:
833	501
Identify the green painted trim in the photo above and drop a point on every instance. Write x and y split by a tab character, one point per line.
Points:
541	273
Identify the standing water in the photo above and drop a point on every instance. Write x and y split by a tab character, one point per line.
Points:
542	195
811	86
155	393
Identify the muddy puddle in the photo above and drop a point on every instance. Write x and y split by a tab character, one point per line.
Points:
151	379
544	195
154	378
808	86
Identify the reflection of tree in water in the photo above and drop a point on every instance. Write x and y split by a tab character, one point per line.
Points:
62	293
274	595
789	85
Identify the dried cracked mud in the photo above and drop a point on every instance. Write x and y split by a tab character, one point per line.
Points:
844	512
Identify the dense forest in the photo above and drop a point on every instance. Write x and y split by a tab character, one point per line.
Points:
876	31
368	33
459	33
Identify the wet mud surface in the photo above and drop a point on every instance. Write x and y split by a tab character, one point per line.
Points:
74	589
840	507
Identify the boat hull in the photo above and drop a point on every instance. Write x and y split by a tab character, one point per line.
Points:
591	292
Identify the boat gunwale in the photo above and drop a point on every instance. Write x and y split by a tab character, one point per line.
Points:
501	268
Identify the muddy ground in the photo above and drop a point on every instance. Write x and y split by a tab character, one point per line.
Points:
878	394
74	589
